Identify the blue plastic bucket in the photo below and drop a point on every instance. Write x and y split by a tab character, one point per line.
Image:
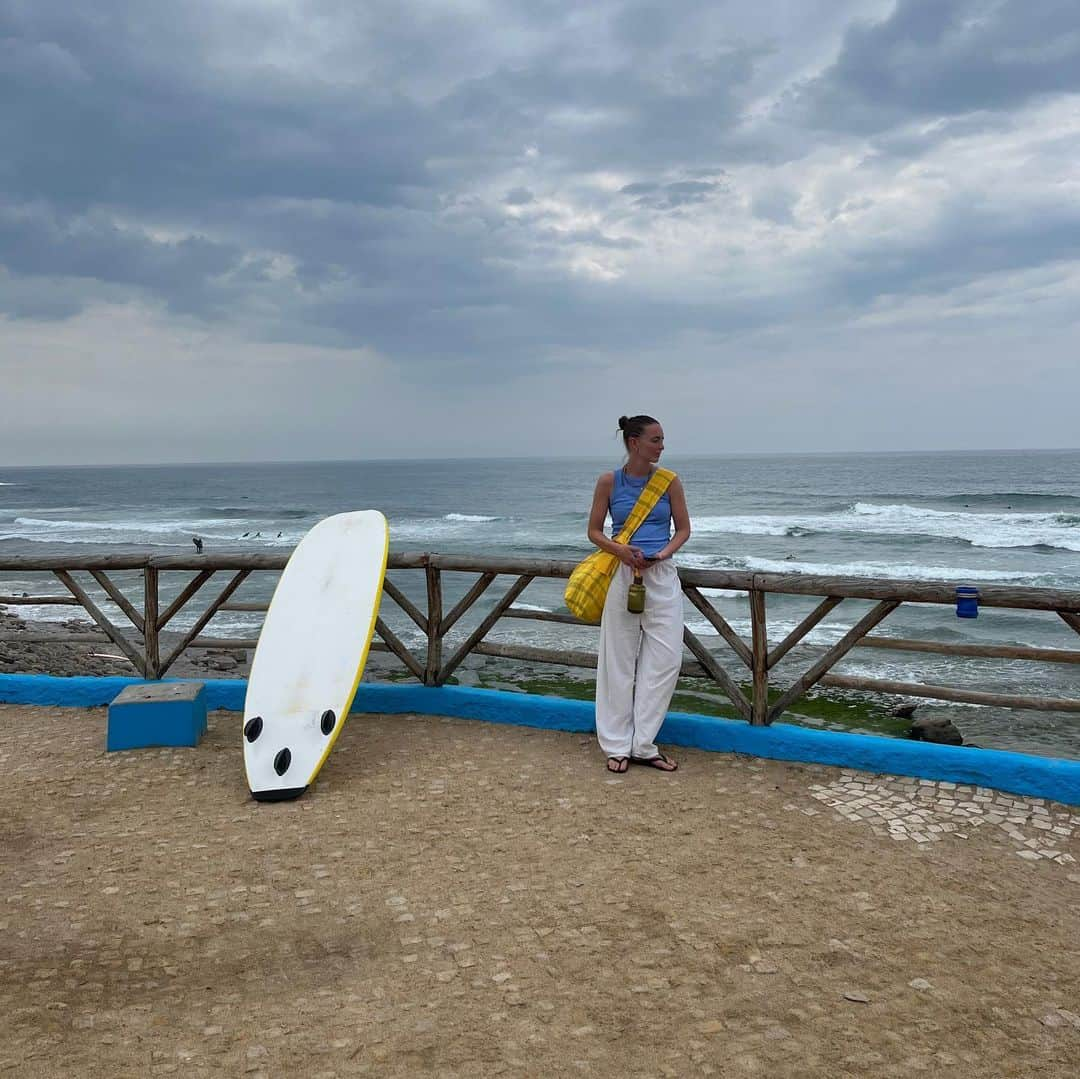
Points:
967	602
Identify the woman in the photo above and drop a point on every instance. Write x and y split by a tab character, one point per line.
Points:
640	654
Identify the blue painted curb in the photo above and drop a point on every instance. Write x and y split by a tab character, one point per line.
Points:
1042	777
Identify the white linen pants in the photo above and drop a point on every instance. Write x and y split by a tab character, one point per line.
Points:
639	660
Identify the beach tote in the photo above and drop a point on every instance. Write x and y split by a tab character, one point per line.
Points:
588	585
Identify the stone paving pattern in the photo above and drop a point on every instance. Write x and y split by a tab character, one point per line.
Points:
461	899
927	811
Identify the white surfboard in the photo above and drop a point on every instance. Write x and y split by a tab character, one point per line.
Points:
311	652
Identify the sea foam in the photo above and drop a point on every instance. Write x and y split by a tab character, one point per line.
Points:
990	530
899	570
160	533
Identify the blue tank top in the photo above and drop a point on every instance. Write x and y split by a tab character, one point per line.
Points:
655	530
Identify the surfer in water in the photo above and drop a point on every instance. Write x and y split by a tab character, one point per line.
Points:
640	654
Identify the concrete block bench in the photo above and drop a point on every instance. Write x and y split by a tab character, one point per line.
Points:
157	714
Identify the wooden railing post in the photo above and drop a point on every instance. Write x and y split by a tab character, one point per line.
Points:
434	625
760	642
151	641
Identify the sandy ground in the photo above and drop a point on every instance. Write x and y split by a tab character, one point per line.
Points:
460	899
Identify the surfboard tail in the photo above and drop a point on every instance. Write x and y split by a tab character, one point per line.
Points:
282	794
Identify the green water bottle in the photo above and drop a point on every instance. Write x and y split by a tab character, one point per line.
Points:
635	596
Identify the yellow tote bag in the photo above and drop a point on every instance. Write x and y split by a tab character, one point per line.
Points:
587	588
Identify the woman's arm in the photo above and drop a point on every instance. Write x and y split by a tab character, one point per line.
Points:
680	515
632	556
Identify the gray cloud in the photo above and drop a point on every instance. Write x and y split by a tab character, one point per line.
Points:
284	162
774	204
672	195
930	58
188	272
482	200
519	196
976	241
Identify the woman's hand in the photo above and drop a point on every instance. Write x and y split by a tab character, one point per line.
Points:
634	557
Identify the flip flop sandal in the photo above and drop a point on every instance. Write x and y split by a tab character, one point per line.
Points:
657	762
621	764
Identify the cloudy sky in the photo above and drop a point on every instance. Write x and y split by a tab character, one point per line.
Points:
296	229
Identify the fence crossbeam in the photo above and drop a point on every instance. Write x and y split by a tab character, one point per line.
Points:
872	618
142	651
110	631
481	630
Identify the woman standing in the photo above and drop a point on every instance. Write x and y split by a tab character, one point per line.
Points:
640	654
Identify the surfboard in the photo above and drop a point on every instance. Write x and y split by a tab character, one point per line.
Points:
311	652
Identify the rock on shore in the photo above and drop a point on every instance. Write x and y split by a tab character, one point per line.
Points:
936	728
102	657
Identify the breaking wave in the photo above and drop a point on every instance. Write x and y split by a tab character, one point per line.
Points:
160	533
990	530
899	570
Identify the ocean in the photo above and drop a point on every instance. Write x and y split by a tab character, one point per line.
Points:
968	518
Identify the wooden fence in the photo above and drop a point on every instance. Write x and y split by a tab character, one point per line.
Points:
140	639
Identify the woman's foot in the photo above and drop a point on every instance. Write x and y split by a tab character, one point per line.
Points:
660	762
618	764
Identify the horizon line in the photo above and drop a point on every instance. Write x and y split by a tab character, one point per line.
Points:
533	457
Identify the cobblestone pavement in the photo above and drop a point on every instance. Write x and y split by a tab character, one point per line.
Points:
927	812
461	899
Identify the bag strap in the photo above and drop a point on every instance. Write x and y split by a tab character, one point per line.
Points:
654	490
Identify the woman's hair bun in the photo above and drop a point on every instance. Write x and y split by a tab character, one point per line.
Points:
633	427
